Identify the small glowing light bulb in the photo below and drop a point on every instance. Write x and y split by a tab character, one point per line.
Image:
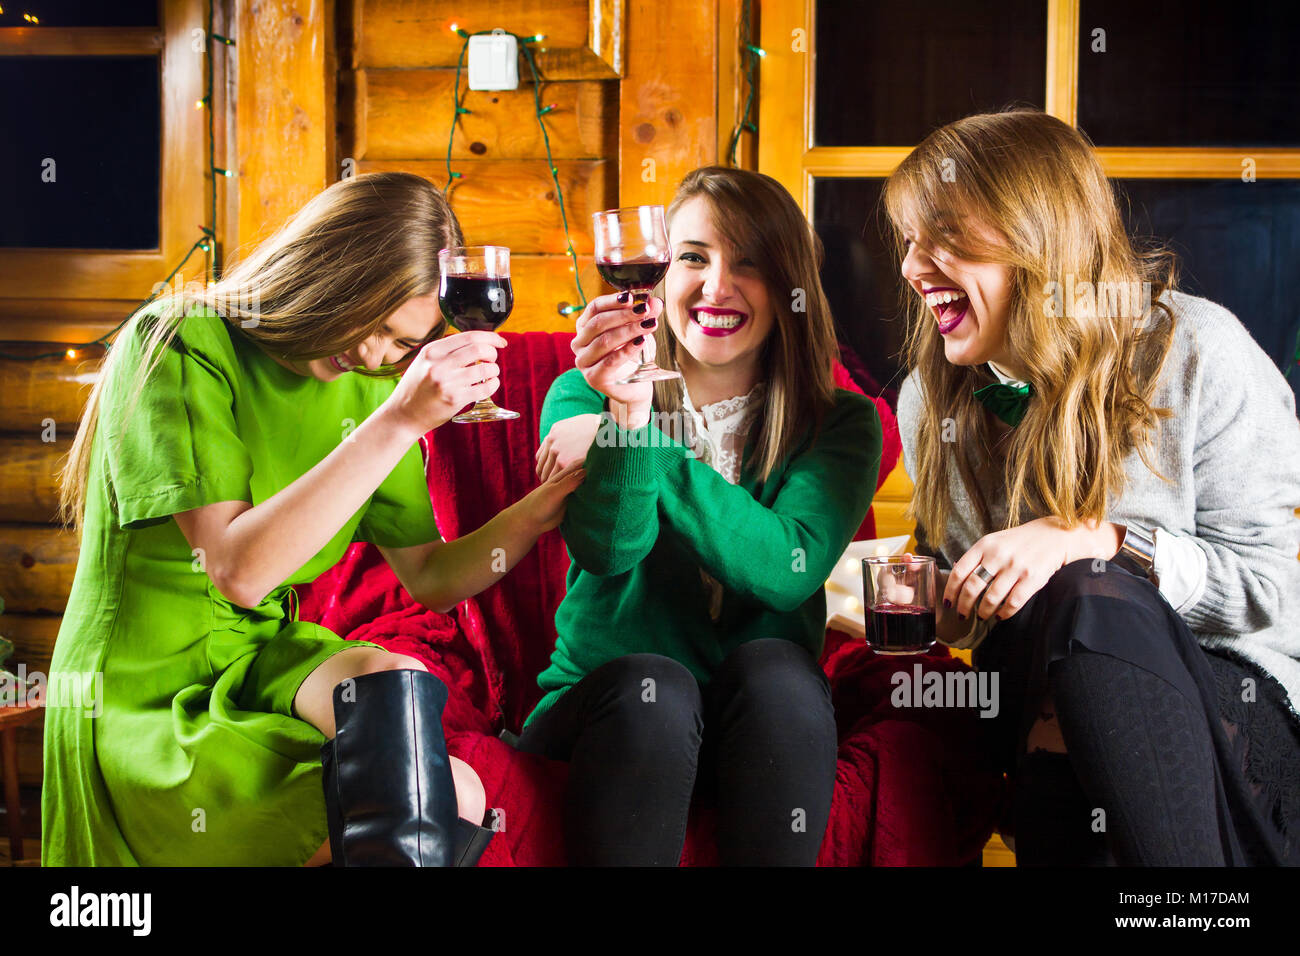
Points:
72	353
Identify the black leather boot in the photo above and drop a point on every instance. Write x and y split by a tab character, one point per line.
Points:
389	795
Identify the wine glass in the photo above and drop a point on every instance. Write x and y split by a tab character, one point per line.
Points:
632	255
475	294
898	593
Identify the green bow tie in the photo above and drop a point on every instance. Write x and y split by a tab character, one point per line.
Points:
1008	402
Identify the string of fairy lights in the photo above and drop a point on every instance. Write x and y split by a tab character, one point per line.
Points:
752	53
207	240
752	56
458	99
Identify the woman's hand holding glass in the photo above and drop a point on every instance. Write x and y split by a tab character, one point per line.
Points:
611	337
443	378
948	629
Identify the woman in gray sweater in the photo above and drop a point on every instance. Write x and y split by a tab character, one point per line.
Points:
1110	471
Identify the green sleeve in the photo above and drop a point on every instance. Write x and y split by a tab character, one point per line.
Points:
180	449
400	512
780	555
611	520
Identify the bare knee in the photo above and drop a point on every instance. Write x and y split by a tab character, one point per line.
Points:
471	798
314	701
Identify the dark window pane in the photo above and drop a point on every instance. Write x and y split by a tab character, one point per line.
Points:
81	13
860	275
890	72
1189	73
93	126
1238	244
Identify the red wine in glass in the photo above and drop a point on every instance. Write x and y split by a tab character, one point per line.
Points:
476	303
475	295
634	274
899	595
632	255
900	628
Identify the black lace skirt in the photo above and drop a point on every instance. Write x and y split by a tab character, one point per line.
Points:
1265	745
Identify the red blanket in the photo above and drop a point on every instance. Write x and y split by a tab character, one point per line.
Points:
911	787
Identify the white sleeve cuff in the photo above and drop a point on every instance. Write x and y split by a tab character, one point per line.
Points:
1181	569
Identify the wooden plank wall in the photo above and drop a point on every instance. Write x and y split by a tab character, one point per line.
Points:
311	84
42	402
396	113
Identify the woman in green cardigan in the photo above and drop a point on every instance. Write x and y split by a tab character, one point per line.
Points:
686	659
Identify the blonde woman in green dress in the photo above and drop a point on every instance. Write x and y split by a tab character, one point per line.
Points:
238	440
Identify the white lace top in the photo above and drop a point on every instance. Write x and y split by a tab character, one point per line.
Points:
717	433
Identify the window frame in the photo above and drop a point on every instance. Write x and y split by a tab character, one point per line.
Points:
94	282
786	103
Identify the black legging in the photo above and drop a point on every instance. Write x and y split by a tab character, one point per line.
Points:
635	730
1149	777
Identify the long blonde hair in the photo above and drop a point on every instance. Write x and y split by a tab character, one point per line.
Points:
325	282
1035	181
756	214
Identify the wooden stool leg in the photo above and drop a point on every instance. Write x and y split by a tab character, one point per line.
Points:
13	806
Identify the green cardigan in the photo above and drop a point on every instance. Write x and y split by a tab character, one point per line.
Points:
650	515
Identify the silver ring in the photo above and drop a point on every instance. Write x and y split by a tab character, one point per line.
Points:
983	575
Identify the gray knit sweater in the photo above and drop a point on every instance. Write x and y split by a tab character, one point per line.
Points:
1232	451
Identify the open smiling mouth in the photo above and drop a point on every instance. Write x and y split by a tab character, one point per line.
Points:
718	321
949	305
334	360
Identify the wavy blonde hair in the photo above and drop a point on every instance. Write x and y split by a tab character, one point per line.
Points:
758	216
323	283
1036	182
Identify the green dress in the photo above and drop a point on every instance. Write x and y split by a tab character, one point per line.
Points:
169	735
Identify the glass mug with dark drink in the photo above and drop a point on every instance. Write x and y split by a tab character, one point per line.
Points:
632	255
475	295
898	594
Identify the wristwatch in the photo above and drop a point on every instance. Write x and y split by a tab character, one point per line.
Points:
1138	550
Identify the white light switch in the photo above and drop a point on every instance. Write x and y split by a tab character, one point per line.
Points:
493	62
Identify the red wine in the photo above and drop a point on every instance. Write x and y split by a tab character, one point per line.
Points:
632	274
900	628
476	303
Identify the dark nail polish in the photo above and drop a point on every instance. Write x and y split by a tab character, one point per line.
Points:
625	297
638	340
947	603
961	617
639	308
647	323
